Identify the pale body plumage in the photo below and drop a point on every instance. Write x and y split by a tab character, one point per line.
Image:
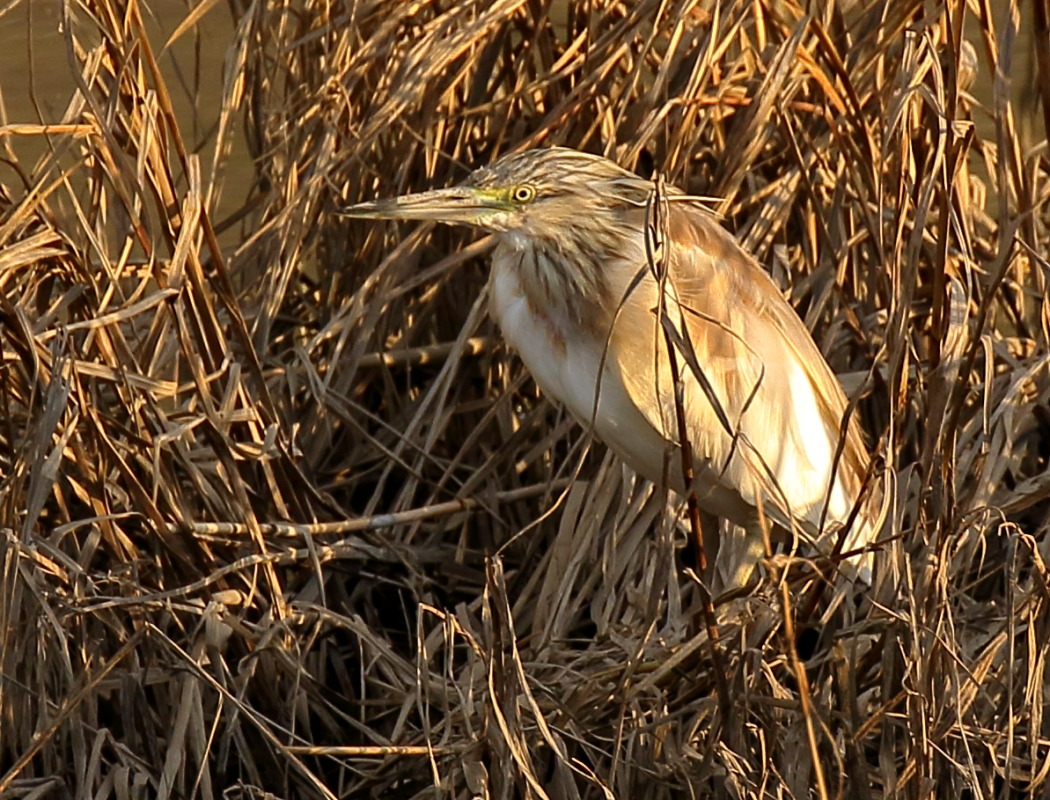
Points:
580	308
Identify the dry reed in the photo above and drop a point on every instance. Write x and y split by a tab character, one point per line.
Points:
281	517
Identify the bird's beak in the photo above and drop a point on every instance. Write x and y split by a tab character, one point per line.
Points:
462	204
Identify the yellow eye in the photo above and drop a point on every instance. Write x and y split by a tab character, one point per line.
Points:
523	193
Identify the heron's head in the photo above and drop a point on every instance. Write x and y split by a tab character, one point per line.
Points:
539	194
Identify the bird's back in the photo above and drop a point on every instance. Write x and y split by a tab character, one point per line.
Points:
771	431
783	405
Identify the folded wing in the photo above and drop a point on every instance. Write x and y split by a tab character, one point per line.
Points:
762	406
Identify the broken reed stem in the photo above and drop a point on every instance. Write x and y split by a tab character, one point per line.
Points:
655	236
804	693
375	521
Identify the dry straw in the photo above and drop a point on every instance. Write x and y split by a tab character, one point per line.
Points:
263	471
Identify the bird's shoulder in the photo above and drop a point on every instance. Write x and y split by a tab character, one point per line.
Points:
716	277
707	260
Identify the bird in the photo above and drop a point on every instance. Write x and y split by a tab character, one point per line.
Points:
574	289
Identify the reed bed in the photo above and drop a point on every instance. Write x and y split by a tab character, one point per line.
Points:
281	517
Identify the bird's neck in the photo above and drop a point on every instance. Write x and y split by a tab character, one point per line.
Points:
563	280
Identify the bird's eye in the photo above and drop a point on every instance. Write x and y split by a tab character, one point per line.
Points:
523	193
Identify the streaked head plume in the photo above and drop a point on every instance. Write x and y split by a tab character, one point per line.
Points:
550	189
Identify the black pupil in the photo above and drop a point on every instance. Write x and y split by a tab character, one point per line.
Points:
523	193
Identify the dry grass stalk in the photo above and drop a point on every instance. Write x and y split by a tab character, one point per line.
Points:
248	553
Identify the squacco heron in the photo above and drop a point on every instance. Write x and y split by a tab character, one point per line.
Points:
574	293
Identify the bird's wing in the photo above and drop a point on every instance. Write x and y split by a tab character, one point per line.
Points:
762	406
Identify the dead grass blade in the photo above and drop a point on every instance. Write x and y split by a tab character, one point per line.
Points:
264	473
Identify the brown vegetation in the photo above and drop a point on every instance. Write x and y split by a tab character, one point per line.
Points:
279	513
